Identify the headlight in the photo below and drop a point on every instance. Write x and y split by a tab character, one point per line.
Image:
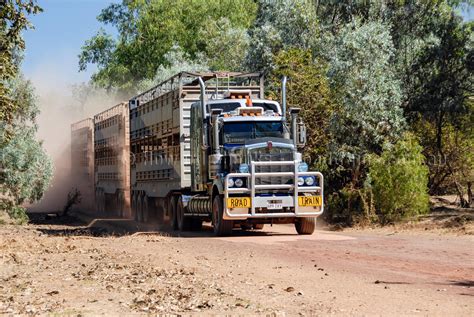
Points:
244	168
302	167
300	181
239	182
309	181
230	182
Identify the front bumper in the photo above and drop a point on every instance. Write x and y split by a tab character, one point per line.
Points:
289	204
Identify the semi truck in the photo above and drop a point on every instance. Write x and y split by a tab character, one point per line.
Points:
208	147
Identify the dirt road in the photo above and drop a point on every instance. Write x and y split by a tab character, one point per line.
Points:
77	270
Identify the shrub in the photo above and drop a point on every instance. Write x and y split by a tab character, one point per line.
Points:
398	179
11	213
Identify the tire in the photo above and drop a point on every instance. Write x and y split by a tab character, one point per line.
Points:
134	207
121	204
221	227
139	208
184	223
258	226
305	225
173	219
145	209
101	202
97	201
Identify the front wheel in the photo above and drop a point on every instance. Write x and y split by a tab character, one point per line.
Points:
305	225
221	227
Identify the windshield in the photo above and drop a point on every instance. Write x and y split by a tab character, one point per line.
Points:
238	132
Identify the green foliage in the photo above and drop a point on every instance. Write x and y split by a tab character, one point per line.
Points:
398	179
280	25
308	89
14	212
366	89
13	20
149	29
350	206
227	45
177	61
25	169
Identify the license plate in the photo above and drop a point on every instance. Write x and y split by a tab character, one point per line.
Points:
275	204
305	201
238	202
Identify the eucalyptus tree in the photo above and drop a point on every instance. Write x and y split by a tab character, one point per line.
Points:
147	30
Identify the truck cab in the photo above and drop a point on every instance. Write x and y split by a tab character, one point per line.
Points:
247	165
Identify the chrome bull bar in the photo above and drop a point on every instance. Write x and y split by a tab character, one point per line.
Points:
251	189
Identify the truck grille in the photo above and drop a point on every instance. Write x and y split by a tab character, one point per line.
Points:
264	155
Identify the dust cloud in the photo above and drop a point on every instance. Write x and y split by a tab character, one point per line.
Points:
62	104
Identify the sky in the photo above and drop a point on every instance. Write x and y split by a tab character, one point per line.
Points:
52	48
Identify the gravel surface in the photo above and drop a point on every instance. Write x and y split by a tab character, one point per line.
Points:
54	268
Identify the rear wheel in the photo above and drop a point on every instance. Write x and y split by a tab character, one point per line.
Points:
221	227
101	202
145	208
120	204
173	219
139	208
97	201
184	223
134	207
305	225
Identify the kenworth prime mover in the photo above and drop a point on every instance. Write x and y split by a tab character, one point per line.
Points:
206	147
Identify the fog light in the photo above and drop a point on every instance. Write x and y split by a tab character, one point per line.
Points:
300	181
309	181
238	182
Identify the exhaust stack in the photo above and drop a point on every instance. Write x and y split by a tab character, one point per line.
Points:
203	95
283	97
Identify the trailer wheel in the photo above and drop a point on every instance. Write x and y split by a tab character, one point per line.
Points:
134	206
173	220
121	204
221	227
305	225
184	223
101	202
145	208
139	208
97	201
